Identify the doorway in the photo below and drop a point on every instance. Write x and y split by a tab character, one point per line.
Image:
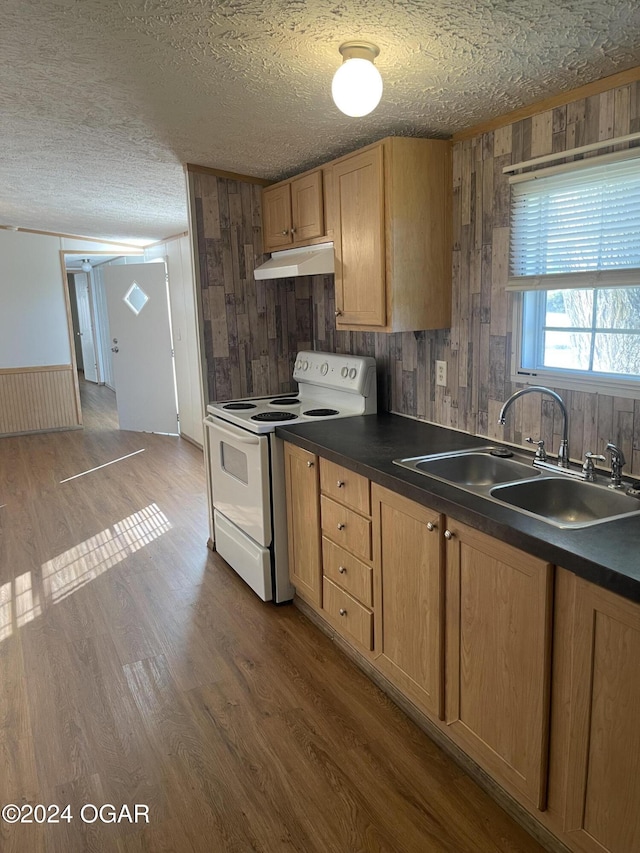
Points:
83	323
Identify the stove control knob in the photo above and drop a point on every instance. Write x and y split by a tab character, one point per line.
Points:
352	373
298	364
344	372
305	366
324	369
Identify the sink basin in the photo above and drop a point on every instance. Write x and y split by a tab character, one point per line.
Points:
473	468
567	503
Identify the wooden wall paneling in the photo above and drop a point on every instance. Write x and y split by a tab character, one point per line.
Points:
37	399
299	313
252	330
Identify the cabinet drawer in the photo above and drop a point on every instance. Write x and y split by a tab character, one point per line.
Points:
355	619
346	528
342	568
345	486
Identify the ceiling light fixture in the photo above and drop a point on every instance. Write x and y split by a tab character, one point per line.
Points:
86	266
357	84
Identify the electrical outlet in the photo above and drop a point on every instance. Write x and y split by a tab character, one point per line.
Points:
441	372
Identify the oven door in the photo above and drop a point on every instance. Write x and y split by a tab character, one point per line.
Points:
240	478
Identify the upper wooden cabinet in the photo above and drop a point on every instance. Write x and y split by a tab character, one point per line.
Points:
391	212
293	212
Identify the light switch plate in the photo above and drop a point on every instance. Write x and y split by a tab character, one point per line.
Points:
441	372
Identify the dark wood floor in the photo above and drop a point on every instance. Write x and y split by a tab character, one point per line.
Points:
135	667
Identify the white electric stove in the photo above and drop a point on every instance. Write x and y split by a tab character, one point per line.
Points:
246	462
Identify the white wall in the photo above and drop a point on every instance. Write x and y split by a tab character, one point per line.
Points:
177	253
33	314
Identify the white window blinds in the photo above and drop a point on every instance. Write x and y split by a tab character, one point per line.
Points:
576	226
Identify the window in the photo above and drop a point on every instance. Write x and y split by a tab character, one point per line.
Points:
590	331
575	252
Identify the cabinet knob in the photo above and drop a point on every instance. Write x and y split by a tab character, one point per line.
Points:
340	526
340	483
430	526
342	611
448	534
284	233
309	464
338	312
342	570
293	230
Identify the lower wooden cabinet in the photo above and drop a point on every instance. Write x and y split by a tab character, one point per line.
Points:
461	623
354	619
303	520
498	658
602	771
409	597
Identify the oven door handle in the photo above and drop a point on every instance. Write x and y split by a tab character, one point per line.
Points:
236	436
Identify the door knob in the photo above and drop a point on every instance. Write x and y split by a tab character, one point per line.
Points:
115	349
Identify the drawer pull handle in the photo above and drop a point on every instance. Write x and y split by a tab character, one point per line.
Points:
340	483
430	526
309	464
340	526
342	611
342	570
448	534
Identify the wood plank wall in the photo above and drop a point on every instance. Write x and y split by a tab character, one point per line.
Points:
34	399
252	329
477	348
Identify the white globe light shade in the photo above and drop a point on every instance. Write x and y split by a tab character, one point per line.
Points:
357	87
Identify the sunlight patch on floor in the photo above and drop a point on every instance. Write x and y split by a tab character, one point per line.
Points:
83	563
99	467
26	597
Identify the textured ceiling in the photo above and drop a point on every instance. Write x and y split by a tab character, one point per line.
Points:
101	101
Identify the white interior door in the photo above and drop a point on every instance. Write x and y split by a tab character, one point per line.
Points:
140	335
87	341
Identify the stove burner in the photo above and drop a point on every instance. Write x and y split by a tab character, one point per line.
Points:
273	416
284	401
320	413
239	406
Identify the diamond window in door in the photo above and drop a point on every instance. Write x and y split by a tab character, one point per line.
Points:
135	298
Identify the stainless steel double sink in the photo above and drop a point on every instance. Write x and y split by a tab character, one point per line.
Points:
502	476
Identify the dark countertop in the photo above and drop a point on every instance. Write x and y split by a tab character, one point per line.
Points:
606	554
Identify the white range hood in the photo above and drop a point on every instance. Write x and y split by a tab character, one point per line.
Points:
308	260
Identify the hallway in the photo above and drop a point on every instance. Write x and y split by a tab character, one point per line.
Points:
136	668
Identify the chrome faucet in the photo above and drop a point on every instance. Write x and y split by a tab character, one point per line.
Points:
617	461
563	450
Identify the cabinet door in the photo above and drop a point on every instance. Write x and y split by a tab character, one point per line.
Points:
498	643
307	208
409	597
359	239
602	811
303	519
276	217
